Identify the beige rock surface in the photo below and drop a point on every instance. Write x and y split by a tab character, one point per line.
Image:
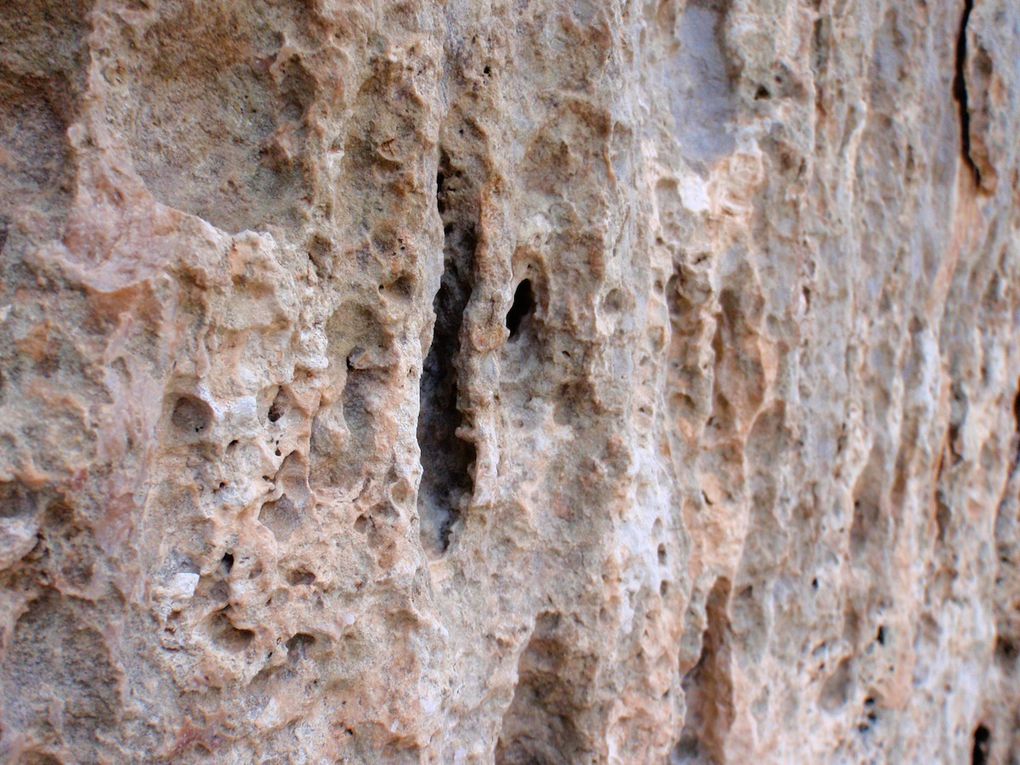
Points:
545	381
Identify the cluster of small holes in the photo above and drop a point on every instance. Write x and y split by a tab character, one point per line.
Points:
870	715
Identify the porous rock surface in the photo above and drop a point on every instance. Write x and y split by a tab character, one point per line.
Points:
531	381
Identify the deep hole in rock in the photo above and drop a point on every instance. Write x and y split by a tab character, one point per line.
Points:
523	306
982	745
446	459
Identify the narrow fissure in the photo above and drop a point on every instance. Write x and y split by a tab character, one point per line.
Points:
960	90
446	459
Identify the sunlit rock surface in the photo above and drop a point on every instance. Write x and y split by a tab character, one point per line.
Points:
546	381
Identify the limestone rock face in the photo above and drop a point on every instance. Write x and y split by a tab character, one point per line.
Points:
531	381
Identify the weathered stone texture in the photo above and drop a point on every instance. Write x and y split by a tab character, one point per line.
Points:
532	381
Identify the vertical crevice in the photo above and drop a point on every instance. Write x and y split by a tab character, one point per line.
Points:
960	90
446	459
